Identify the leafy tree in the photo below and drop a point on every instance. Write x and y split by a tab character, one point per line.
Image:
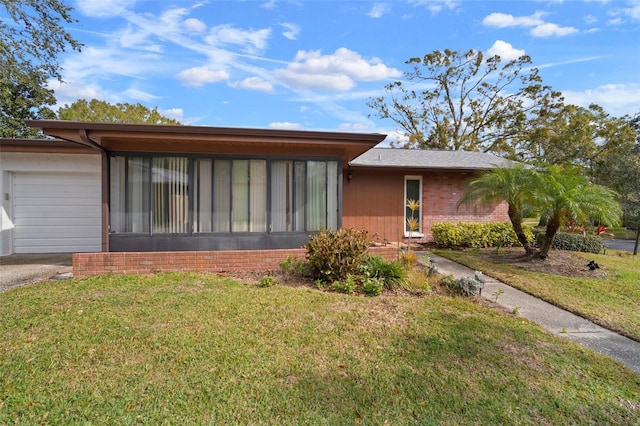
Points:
565	193
574	135
511	184
32	35
464	101
102	112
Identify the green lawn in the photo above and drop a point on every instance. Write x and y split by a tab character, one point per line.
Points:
611	299
194	349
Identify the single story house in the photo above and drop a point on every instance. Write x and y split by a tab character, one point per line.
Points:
106	187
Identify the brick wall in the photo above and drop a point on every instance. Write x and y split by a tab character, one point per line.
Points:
88	264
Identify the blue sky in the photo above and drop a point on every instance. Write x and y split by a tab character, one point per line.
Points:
313	64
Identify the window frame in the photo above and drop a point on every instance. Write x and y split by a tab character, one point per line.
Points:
419	233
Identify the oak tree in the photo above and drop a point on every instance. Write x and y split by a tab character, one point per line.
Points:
103	112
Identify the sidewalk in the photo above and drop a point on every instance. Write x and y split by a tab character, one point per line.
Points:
554	319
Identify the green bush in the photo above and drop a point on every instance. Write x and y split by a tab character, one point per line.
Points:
333	254
293	267
477	235
372	286
266	281
390	273
572	242
347	286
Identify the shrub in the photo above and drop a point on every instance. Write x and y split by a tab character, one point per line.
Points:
477	235
389	273
465	286
333	254
573	242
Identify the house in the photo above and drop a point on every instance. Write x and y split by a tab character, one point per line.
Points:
105	187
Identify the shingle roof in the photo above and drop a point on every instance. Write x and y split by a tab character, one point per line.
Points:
428	159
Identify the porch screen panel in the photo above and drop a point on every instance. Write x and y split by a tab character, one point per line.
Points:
332	194
221	195
117	208
300	197
203	200
240	196
316	195
281	196
257	196
138	194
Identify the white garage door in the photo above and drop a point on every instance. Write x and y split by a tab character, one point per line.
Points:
56	212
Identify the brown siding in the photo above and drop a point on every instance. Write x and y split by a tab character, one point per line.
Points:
373	200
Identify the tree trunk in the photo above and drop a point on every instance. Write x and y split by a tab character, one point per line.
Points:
552	228
516	222
635	247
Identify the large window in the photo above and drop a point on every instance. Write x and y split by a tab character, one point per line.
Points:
413	206
183	195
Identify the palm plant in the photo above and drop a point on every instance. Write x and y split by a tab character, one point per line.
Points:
413	224
511	184
565	193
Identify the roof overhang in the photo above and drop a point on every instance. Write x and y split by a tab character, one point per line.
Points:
49	146
116	137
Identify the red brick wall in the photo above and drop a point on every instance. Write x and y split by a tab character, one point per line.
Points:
88	264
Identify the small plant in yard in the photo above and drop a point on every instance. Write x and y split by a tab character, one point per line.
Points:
515	310
496	294
372	286
266	281
333	254
347	286
292	267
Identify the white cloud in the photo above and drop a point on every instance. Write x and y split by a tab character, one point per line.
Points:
377	10
505	50
195	26
175	113
539	28
550	30
503	20
291	31
139	95
616	99
590	19
354	127
248	40
338	71
102	8
436	6
69	92
199	76
285	125
254	83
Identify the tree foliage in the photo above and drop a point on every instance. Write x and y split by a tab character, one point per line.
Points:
565	193
464	101
561	193
511	184
32	35
102	112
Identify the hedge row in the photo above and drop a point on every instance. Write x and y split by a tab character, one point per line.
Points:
477	235
572	242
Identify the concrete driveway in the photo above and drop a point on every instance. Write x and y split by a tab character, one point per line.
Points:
21	269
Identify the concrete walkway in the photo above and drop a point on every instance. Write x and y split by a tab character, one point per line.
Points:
554	319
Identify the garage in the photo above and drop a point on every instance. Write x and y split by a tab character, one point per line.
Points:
56	212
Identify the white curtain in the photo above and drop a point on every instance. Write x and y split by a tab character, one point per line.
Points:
257	196
138	197
332	194
300	198
281	196
202	209
240	196
170	195
316	195
117	192
221	195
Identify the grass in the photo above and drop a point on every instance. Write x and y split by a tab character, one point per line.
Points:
197	349
612	301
